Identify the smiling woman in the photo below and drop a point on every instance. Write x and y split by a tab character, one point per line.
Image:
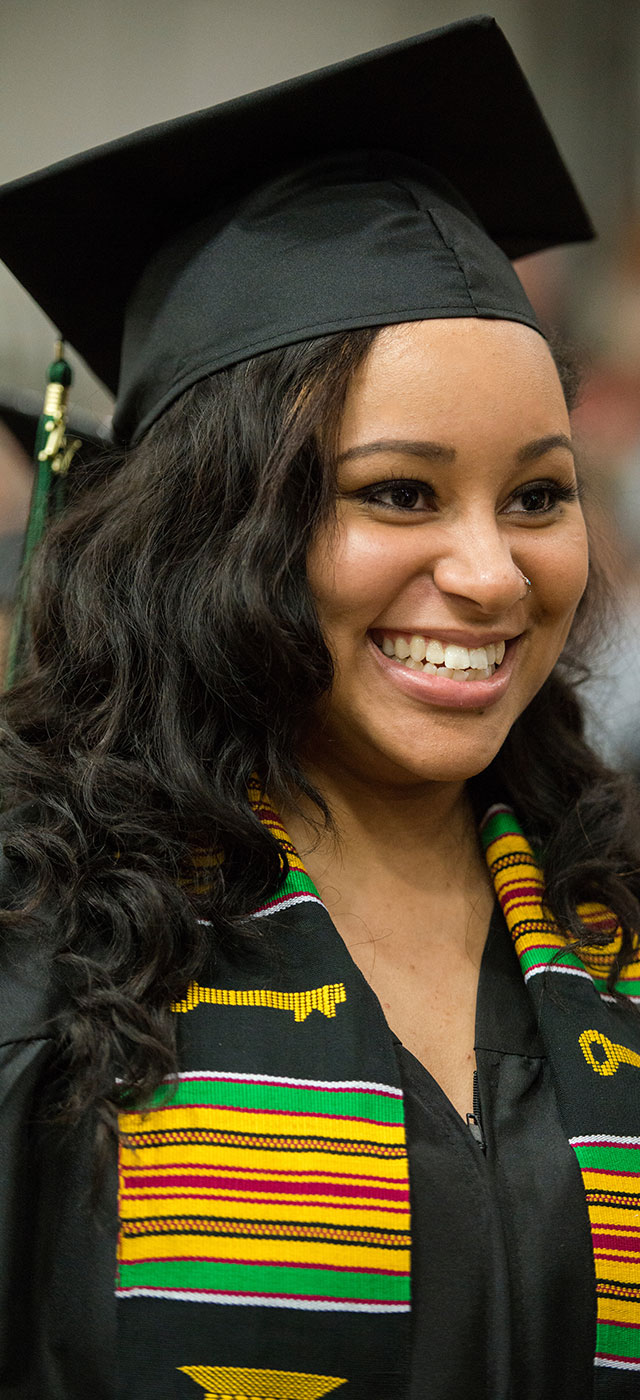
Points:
442	555
354	1077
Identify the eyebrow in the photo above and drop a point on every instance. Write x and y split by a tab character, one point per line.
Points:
438	452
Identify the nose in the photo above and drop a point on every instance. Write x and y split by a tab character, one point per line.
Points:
477	564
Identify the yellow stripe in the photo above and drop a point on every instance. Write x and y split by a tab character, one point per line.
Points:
154	1207
618	1271
230	1120
613	1255
611	1181
608	1217
391	1169
263	1251
618	1310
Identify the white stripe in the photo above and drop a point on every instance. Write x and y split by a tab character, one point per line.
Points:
554	967
498	807
285	904
578	972
363	1084
617	1365
604	1137
262	1301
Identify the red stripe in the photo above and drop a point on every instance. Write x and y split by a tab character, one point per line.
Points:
615	1322
267	1263
275	1112
264	1200
607	1171
231	1183
328	1177
621	1242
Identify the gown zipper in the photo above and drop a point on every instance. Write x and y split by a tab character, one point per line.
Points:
474	1122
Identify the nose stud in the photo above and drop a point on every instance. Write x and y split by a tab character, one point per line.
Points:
526	581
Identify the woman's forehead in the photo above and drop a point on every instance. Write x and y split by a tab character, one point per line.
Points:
450	375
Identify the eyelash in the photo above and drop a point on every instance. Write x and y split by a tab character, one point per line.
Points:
370	495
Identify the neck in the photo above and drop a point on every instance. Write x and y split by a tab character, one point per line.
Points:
416	831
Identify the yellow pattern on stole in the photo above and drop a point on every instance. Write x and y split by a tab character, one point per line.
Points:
324	999
238	1383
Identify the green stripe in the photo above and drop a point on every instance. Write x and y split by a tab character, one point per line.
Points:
628	986
612	1340
296	882
273	1279
612	1159
269	1098
502	824
549	953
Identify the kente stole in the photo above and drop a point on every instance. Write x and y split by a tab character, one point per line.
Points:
270	1182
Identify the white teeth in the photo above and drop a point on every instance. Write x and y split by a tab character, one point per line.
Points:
450	673
454	662
456	658
435	653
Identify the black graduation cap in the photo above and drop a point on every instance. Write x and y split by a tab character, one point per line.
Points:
391	187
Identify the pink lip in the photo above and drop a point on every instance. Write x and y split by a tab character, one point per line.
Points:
448	694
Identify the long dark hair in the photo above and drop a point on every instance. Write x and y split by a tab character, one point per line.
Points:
176	652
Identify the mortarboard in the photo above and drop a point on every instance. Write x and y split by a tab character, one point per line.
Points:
391	187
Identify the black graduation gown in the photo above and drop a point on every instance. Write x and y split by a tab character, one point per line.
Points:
503	1278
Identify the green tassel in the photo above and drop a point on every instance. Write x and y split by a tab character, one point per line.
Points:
52	458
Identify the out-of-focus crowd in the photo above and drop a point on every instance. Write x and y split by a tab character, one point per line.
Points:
16	477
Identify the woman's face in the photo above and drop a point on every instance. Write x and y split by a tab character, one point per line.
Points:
455	481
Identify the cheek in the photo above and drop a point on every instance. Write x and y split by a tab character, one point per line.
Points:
563	576
352	573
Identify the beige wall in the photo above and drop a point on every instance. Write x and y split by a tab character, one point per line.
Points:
78	72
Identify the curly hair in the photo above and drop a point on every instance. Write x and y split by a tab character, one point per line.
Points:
176	651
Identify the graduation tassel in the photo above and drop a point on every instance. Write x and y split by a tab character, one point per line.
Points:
52	458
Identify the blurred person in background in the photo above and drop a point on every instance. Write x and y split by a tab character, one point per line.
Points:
606	423
16	479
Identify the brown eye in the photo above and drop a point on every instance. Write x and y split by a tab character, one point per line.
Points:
536	498
404	497
540	498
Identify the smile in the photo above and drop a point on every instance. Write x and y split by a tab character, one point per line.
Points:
445	673
436	658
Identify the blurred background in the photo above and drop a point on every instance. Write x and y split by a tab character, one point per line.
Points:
79	72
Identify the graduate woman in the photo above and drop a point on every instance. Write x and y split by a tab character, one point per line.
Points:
321	1062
